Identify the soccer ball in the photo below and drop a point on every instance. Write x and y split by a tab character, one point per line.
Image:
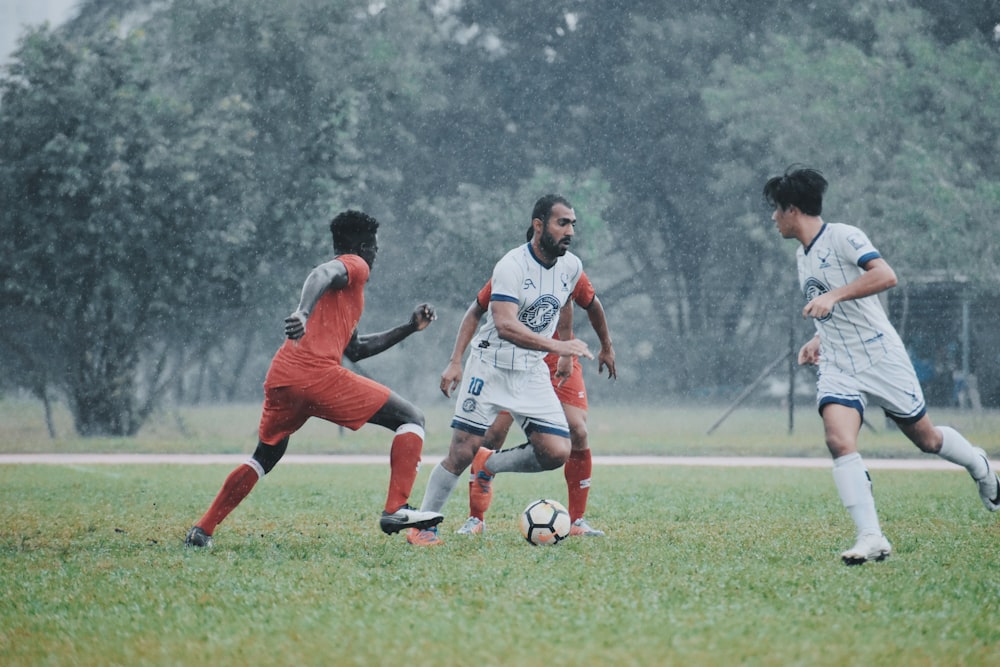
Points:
545	522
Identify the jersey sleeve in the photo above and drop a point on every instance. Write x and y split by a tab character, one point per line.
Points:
855	244
357	269
483	298
506	280
583	294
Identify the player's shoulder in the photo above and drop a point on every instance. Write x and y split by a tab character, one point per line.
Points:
357	267
843	229
571	262
514	258
834	227
510	270
521	253
847	234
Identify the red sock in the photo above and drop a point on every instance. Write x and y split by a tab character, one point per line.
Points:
404	459
479	502
577	471
236	487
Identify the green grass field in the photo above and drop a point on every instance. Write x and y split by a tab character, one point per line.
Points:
669	430
701	566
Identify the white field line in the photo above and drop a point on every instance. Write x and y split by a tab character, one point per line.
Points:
316	459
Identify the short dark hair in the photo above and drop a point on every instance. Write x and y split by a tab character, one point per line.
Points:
543	207
351	228
800	187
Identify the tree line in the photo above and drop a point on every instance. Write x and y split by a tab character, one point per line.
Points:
167	171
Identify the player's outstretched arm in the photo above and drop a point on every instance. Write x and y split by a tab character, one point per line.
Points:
452	373
598	320
368	345
330	275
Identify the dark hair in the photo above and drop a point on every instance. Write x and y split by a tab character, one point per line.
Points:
543	207
531	233
352	228
800	187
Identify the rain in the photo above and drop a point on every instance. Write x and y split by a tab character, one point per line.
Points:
169	170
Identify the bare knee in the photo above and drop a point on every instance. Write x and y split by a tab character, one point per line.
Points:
840	426
396	412
840	442
577	419
922	433
462	450
496	434
551	451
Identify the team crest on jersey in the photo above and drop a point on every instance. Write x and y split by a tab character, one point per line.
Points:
824	262
564	278
469	405
814	288
538	315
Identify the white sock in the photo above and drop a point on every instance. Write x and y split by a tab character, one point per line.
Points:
440	484
958	450
855	488
517	459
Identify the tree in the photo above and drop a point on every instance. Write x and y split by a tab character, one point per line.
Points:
615	88
904	132
106	187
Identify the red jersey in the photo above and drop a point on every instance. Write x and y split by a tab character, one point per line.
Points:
328	331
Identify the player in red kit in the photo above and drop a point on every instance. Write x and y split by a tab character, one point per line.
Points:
306	379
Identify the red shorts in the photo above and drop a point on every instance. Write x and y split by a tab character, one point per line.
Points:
573	392
338	396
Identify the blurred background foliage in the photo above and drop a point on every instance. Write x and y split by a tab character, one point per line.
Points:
168	171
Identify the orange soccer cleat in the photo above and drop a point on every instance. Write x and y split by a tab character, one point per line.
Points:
427	537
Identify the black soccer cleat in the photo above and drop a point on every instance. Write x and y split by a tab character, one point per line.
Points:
197	537
407	517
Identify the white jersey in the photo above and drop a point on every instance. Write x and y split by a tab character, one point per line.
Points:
539	292
857	333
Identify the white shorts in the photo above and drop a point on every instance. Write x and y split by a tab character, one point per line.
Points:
890	384
527	395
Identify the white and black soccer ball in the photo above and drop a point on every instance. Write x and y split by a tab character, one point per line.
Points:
545	522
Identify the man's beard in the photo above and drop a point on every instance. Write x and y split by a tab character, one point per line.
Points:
550	246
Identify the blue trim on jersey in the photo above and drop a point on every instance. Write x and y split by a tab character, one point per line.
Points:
532	426
815	238
867	257
467	427
906	420
839	400
504	297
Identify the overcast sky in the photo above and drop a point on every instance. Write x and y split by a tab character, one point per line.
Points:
16	14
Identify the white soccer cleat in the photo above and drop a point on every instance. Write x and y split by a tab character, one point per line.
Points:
408	517
472	526
869	546
580	528
989	486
